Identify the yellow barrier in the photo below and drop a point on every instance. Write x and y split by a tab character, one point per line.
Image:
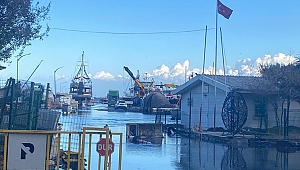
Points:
23	148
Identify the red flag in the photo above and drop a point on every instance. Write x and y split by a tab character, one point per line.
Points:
224	10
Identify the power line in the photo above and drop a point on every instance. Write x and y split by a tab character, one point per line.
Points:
131	33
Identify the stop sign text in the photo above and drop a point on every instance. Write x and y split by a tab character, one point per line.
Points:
101	147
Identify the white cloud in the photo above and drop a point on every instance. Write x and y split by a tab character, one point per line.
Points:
178	71
181	71
59	78
104	76
231	71
244	67
283	59
248	67
162	71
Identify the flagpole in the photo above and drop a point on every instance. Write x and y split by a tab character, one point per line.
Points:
226	12
204	56
216	50
224	59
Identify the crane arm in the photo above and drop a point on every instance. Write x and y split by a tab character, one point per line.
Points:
171	85
139	84
135	79
129	72
151	85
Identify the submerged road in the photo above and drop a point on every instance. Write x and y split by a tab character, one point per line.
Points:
176	153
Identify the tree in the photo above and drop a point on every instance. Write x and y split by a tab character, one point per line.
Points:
20	24
286	78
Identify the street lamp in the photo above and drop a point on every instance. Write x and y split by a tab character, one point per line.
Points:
55	80
18	64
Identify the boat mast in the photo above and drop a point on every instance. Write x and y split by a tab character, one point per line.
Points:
82	67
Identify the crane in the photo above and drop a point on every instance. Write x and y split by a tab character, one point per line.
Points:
151	85
142	88
171	85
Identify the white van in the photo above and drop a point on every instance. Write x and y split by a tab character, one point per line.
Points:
121	104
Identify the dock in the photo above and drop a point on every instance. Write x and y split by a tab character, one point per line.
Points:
245	140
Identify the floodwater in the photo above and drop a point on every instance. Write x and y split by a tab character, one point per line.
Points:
176	153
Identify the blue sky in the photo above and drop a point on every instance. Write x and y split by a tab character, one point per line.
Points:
257	31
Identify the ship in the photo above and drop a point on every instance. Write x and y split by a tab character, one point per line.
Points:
81	85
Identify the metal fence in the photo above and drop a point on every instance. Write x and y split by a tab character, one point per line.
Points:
21	107
43	150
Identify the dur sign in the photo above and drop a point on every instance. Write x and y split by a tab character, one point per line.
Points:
101	147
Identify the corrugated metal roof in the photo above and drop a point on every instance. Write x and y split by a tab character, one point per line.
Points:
243	82
238	83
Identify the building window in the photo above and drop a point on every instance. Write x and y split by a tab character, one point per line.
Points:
260	107
205	88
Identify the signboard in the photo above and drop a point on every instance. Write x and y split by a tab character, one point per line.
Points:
101	149
26	151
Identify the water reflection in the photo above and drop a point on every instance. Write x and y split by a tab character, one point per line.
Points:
196	154
180	153
233	160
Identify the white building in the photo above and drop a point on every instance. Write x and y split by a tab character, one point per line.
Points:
255	102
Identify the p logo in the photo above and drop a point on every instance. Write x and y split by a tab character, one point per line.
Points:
30	147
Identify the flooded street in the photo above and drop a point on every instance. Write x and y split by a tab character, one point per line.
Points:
176	153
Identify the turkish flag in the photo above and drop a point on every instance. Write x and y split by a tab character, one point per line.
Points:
224	10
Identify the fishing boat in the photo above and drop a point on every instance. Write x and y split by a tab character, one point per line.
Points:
81	85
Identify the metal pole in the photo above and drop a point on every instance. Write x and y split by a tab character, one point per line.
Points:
165	117
18	69
12	83
47	96
55	81
32	73
190	117
200	118
18	64
284	124
177	121
216	54
30	115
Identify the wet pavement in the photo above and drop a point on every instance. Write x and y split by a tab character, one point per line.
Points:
177	153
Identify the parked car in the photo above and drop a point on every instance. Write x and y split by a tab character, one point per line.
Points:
121	104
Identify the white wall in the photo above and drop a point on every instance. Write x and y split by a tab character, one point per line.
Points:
209	101
207	107
253	121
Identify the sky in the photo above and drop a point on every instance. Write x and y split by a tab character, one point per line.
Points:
163	40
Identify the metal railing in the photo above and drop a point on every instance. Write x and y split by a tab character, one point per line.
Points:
20	146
